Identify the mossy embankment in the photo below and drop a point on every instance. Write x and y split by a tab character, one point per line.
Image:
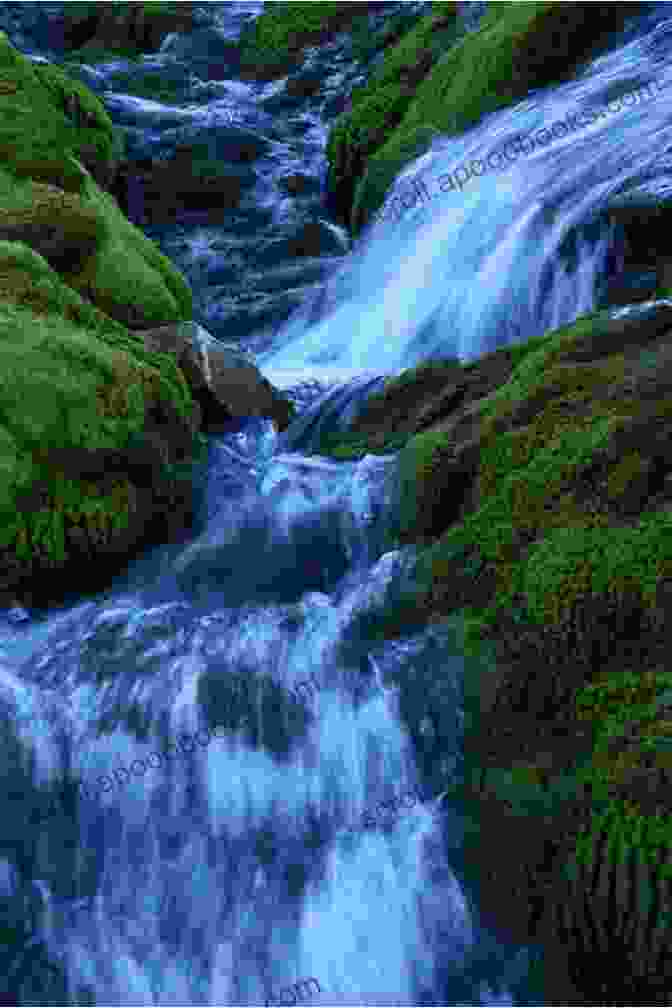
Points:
536	483
93	428
439	82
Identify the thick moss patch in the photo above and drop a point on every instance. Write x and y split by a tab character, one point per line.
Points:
93	428
50	127
49	122
129	277
67	389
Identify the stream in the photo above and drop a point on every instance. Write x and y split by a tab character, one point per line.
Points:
220	786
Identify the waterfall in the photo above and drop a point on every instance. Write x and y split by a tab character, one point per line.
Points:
223	785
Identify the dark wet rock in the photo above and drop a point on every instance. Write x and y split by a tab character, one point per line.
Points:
159	188
156	192
313	239
207	54
223	379
299	184
111	26
304	86
642	216
265	713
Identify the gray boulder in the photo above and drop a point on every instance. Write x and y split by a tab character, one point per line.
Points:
223	379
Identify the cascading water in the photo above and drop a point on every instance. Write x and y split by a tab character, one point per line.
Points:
507	255
193	760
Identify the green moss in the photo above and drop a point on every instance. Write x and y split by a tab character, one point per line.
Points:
518	46
521	470
571	563
358	133
48	149
626	832
284	26
120	270
419	460
275	39
65	387
29	204
621	696
446	369
129	269
379	107
365	44
71	375
27	281
353	447
64	89
42	534
618	706
73	378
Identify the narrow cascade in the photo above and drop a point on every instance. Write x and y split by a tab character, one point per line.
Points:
458	263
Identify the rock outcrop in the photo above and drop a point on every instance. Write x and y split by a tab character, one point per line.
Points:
222	378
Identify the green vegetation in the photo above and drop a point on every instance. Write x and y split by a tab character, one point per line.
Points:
73	376
379	107
129	270
37	138
352	447
575	553
622	704
273	43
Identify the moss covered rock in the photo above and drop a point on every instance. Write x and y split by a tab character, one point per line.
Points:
96	433
379	108
273	44
561	560
537	485
49	122
50	128
91	425
129	277
518	46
